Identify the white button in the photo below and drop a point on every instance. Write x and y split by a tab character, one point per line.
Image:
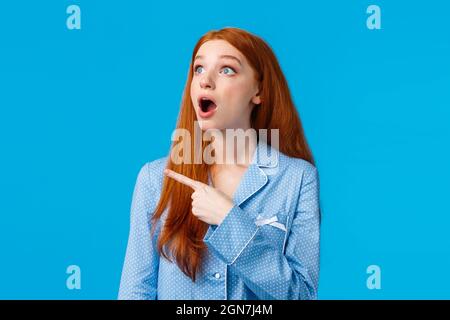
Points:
217	275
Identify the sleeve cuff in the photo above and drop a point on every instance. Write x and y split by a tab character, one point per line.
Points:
230	238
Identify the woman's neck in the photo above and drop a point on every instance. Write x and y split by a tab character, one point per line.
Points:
234	150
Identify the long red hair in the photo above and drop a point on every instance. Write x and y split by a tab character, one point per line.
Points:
182	233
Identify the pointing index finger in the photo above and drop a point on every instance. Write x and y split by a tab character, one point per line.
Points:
183	179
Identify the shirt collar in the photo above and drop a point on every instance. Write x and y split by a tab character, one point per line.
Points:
265	155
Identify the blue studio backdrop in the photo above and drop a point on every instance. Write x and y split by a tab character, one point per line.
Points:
83	108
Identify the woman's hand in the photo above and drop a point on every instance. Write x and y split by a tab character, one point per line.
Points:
208	204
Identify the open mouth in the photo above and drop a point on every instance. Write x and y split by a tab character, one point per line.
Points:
207	105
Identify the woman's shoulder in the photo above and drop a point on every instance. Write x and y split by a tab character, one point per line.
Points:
152	173
156	166
296	164
297	167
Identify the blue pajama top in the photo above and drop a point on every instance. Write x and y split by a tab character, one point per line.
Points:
267	246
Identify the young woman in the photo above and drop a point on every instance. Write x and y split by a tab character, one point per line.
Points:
245	229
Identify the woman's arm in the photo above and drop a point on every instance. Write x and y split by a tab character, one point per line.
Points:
268	271
140	269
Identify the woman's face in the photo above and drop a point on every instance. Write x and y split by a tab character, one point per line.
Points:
225	82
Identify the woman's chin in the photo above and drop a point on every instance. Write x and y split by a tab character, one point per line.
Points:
207	124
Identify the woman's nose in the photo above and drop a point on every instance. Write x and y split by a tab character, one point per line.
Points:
206	82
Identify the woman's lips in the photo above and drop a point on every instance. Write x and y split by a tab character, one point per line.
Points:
207	114
206	107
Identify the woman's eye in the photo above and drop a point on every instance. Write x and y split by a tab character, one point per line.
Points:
198	69
228	70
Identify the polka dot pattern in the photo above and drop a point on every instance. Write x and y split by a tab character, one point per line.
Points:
244	260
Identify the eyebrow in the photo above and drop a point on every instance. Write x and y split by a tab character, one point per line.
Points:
227	56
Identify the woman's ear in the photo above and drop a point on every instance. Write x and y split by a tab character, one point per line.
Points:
256	99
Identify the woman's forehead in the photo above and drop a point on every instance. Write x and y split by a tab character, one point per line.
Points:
218	48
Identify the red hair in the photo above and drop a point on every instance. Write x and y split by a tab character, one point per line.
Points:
182	233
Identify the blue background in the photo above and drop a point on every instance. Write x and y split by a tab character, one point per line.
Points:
82	110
